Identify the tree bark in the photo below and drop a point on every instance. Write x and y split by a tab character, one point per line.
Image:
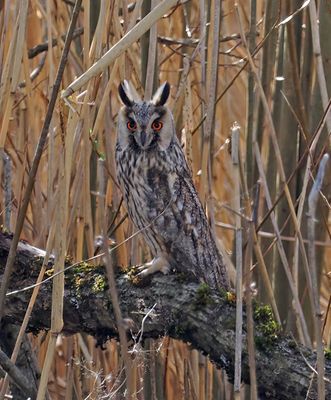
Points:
181	308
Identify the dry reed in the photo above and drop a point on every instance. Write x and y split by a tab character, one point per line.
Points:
222	61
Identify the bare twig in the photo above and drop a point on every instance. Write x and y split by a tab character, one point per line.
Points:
191	42
271	235
35	72
42	47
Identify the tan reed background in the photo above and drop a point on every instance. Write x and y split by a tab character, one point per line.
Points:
66	210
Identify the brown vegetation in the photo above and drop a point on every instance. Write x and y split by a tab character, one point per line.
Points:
265	65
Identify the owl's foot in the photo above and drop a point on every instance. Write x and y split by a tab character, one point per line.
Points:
159	264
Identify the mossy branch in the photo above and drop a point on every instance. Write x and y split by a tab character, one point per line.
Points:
185	310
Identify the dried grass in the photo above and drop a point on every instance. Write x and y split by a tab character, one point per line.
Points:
209	91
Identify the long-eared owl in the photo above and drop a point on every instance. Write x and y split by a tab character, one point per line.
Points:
158	190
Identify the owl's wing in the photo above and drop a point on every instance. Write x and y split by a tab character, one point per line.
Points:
184	227
181	218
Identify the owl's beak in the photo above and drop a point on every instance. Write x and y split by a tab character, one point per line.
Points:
143	138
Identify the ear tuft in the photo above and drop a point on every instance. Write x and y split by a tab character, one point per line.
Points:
161	95
125	94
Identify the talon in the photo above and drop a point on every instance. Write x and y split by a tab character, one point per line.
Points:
159	264
145	266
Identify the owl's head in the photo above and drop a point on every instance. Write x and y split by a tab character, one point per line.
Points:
148	124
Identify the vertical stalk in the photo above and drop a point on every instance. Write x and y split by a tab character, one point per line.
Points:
318	316
211	99
250	101
151	69
239	289
113	290
11	72
247	268
271	59
7	187
144	42
319	62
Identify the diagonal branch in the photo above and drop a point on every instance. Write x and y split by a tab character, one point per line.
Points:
184	310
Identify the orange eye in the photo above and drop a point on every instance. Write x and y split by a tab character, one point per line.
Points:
157	125
131	125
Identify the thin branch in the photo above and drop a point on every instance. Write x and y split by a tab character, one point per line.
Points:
42	47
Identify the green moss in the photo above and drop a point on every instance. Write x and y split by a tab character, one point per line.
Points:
49	272
99	284
85	278
227	295
262	313
4	229
292	344
267	329
131	272
327	353
68	259
203	296
83	267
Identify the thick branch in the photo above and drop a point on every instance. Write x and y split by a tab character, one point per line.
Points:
184	310
16	374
